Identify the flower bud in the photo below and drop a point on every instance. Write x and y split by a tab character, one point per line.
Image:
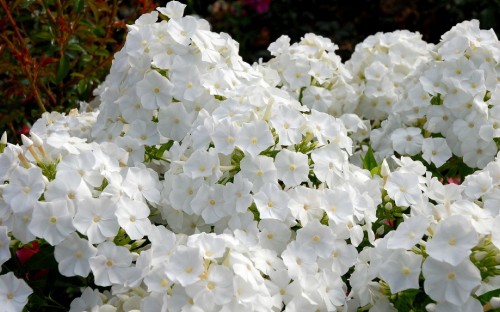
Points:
480	255
3	140
36	139
495	302
384	170
26	141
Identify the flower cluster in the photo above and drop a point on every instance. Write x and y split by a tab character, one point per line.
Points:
196	182
380	65
450	104
312	72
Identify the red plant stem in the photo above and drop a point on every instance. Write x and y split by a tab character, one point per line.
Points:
25	66
11	20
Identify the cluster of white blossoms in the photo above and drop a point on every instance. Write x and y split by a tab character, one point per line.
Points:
312	73
201	183
451	104
380	65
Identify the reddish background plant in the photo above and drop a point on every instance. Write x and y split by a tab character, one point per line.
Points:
53	53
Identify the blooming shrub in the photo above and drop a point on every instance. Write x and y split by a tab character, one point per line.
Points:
202	183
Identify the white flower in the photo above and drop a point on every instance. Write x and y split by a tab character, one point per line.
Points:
67	185
407	141
272	202
478	153
209	203
401	270
4	244
288	124
52	221
341	259
224	136
254	138
156	279
202	164
132	216
111	264
184	191
495	232
448	283
329	162
274	234
14	293
85	164
292	167
337	204
174	9
258	170
300	260
403	188
145	133
95	217
174	121
305	204
141	183
453	240
216	287
408	233
318	236
436	150
24	188
73	255
154	90
185	266
89	299
237	195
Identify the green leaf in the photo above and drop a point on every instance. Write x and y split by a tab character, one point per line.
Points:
485	298
436	100
405	300
121	238
63	69
79	4
164	147
369	161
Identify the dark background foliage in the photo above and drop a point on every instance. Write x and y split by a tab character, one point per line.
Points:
53	53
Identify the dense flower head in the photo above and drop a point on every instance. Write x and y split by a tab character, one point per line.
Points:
380	65
451	97
196	182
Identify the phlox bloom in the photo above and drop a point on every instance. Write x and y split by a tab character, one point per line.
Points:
185	266
111	264
52	221
154	90
402	270
453	240
408	233
254	138
292	167
448	283
272	202
403	188
73	255
95	217
24	188
14	293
